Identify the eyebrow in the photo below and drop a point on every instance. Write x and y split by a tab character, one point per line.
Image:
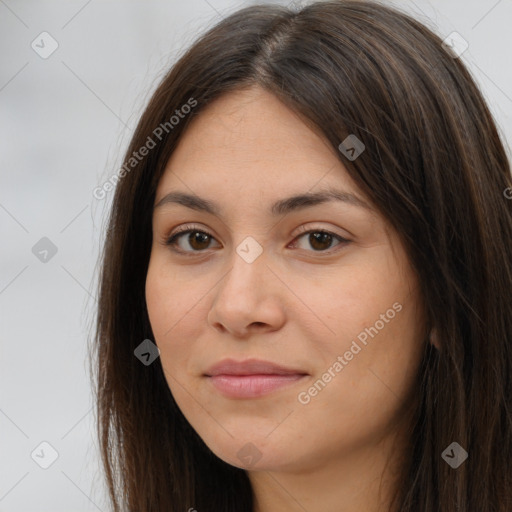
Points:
280	207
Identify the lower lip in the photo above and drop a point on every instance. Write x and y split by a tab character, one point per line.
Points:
251	386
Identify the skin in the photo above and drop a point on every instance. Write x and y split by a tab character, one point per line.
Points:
294	305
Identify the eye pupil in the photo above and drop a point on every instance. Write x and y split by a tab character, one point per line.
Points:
319	237
197	236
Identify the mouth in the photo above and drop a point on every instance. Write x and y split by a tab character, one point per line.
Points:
251	378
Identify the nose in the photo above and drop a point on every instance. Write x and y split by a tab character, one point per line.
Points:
248	299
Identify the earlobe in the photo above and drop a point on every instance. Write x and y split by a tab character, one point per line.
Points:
434	339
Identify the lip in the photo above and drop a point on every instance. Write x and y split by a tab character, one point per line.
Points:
251	378
251	367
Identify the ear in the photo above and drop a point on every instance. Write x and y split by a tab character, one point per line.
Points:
434	339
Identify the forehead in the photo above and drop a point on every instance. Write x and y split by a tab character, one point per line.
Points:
249	139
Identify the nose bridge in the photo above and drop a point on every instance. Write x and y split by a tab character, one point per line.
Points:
245	295
248	265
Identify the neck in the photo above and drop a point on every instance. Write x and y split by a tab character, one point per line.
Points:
364	479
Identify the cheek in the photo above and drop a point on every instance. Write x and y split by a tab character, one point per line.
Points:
168	295
381	346
352	299
177	310
168	301
373	313
158	300
371	391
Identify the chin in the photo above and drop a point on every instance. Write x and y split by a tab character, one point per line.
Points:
257	452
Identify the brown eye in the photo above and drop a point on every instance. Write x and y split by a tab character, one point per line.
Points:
321	240
196	240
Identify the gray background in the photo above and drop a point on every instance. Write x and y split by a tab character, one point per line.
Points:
64	125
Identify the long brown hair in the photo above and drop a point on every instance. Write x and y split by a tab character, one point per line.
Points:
435	167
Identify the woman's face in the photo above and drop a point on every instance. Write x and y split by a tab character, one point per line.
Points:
338	308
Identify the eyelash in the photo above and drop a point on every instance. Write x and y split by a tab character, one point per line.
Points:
187	228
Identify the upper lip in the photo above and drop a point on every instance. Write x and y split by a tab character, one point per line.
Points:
250	367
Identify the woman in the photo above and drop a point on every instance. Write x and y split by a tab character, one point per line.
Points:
306	288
